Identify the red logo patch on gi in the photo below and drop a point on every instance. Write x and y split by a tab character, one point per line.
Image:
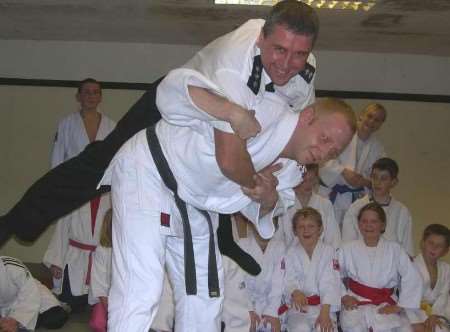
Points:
165	219
336	265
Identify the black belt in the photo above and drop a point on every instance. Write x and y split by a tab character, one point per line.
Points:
189	260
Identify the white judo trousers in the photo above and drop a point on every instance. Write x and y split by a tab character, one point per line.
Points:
331	233
236	303
358	156
265	290
101	283
22	297
437	298
385	266
147	234
398	223
318	275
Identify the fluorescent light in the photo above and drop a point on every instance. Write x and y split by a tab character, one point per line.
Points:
326	4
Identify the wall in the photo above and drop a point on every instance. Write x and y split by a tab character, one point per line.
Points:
415	134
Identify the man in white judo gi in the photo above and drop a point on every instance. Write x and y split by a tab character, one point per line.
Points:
203	104
147	229
77	234
347	178
24	301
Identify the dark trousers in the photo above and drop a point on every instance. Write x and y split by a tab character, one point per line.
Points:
53	318
76	302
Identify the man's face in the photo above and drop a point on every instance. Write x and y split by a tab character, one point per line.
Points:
321	138
90	96
382	182
371	120
284	53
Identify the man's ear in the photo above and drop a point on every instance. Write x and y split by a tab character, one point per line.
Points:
307	115
260	39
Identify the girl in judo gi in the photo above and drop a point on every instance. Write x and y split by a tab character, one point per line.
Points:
434	314
312	277
375	270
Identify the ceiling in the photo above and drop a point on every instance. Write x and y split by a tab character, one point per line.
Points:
396	26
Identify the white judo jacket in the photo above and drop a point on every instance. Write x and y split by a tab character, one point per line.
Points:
71	138
385	266
330	173
435	300
22	297
265	290
331	233
398	223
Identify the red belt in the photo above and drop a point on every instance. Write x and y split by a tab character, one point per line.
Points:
88	247
312	300
373	295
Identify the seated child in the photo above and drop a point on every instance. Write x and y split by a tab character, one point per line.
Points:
304	197
375	268
265	290
25	303
384	178
312	277
434	314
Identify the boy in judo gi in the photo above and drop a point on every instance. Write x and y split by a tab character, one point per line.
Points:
24	302
69	253
305	196
434	314
312	277
384	177
347	177
375	268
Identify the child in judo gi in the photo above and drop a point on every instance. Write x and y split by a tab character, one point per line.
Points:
305	196
312	277
384	178
375	270
434	314
347	177
25	303
69	253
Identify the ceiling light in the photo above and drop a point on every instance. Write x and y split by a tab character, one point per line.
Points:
326	4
